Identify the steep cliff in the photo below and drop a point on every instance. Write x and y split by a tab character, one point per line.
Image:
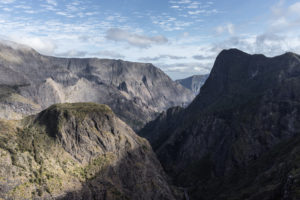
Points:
193	83
249	106
136	92
77	151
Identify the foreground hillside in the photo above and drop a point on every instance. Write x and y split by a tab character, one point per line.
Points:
77	151
239	139
30	82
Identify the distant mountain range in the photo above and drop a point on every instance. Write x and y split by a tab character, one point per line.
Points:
136	92
193	83
239	138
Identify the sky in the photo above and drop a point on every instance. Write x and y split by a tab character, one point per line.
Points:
182	37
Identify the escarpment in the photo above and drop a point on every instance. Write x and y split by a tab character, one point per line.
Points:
136	92
239	137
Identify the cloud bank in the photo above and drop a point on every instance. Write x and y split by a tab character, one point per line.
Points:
142	41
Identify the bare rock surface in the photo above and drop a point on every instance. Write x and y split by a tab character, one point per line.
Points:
135	91
237	138
193	83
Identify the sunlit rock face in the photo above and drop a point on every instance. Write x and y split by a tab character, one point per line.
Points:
136	92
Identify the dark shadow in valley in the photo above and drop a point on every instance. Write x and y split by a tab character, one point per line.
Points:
137	175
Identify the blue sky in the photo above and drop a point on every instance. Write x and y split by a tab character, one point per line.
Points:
182	37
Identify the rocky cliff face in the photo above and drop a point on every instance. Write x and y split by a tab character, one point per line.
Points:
238	132
77	151
135	91
160	129
193	83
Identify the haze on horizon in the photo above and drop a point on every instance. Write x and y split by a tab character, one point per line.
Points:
182	37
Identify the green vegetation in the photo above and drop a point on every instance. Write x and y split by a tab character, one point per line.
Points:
28	148
56	115
80	110
41	164
34	140
93	168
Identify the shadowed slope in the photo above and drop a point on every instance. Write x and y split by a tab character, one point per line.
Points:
248	105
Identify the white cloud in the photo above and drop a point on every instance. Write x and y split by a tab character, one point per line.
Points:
49	7
66	14
7	9
169	23
269	44
295	8
188	9
117	34
91	13
162	57
202	57
183	53
194	5
181	1
7	1
72	53
227	28
180	70
108	53
196	12
177	68
116	17
31	11
42	45
285	18
185	34
52	2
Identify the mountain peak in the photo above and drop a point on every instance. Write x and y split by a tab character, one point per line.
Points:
248	106
233	51
67	123
237	77
292	55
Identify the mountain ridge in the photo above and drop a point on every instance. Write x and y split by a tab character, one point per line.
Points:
135	91
248	105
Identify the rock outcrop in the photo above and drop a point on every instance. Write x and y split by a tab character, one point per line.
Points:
136	92
238	139
78	151
193	83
